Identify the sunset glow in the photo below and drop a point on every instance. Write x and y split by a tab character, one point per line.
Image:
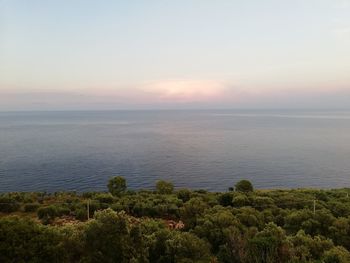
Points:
84	55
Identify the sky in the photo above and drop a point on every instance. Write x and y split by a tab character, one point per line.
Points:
183	54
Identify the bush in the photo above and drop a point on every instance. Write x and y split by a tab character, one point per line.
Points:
111	238
62	210
104	198
47	214
240	200
269	245
184	195
32	207
164	187
337	255
226	199
24	240
8	205
81	214
244	186
117	185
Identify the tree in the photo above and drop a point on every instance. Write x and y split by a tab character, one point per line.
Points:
340	232
192	211
24	240
47	214
214	226
110	237
307	248
244	186
164	187
117	185
186	247
337	255
225	199
184	195
269	245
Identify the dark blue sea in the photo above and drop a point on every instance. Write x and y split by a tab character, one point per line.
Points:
59	151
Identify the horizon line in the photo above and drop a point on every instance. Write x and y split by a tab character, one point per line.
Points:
174	109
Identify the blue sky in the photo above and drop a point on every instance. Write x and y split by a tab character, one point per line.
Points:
174	54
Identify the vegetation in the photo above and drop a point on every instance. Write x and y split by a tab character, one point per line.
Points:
164	187
167	225
244	186
117	185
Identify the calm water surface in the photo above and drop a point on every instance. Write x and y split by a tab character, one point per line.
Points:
53	151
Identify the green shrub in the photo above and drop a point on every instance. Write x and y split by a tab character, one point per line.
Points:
225	199
81	214
104	198
8	205
240	200
244	186
164	187
337	255
32	207
184	195
117	185
47	214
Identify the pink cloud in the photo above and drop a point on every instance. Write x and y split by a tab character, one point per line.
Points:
185	90
181	93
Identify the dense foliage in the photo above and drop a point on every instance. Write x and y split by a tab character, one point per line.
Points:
117	185
167	225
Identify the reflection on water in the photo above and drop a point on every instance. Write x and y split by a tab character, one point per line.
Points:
200	149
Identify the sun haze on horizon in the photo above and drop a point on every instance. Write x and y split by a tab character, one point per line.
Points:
62	55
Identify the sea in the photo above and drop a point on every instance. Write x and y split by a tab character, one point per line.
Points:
198	149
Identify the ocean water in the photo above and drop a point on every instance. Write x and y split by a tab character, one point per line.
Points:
56	151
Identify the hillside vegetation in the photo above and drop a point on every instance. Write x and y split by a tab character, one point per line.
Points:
166	225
